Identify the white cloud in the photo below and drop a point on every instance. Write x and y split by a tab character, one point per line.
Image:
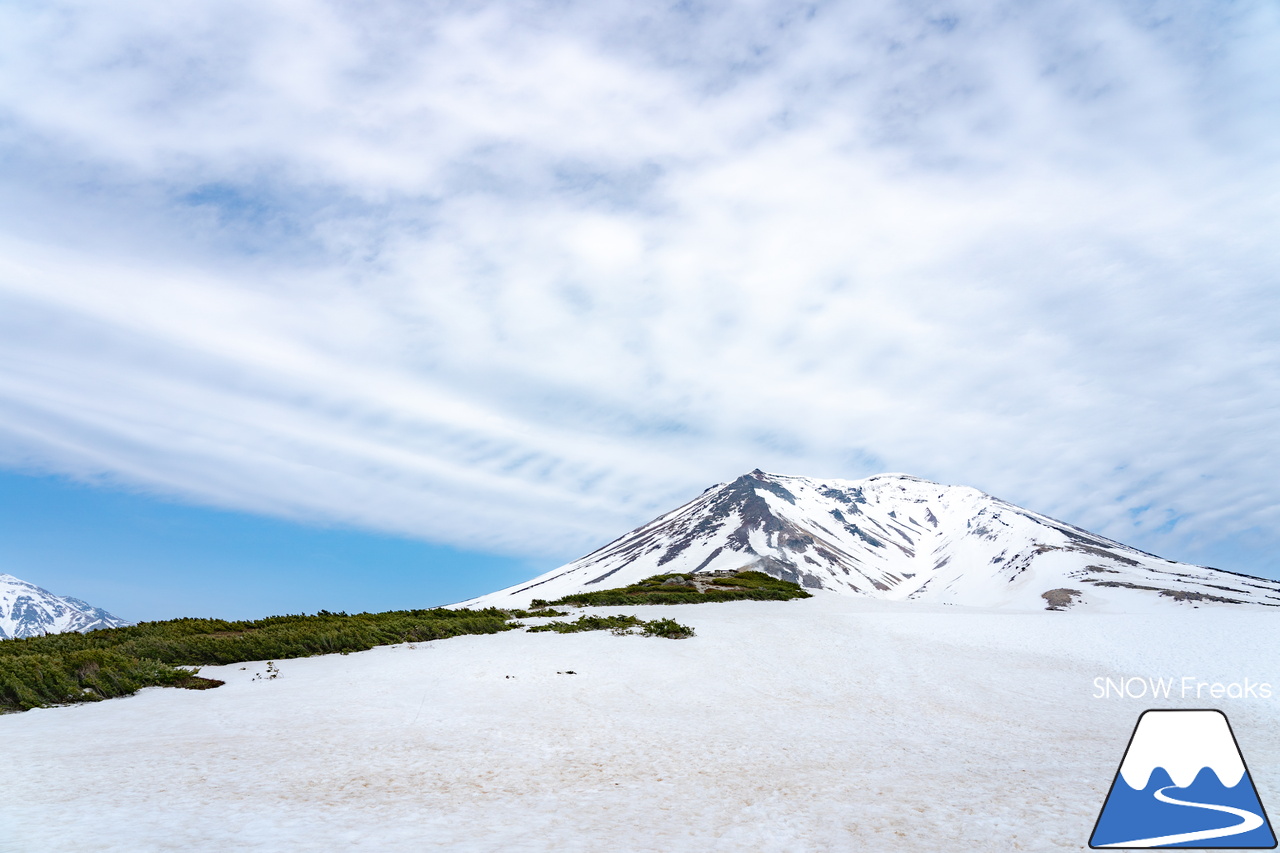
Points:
519	276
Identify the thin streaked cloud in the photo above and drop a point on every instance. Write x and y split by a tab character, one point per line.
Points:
520	276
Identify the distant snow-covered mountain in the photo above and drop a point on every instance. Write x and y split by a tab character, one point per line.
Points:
893	536
26	610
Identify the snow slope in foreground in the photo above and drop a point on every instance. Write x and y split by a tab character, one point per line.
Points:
833	723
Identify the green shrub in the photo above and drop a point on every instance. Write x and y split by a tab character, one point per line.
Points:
668	628
58	669
620	625
526	614
590	623
88	675
746	585
658	580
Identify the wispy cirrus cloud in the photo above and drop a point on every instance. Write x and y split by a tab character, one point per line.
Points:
518	276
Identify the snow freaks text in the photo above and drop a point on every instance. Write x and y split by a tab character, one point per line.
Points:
1184	687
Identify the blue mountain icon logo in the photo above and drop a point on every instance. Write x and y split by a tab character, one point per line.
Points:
1183	783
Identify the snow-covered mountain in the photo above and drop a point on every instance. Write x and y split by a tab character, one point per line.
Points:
26	610
893	536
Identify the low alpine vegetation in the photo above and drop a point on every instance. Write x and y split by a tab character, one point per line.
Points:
590	623
532	614
669	628
687	589
620	625
58	669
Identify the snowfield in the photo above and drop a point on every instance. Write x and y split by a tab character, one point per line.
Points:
834	723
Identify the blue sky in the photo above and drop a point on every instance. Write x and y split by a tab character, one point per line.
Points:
144	558
478	287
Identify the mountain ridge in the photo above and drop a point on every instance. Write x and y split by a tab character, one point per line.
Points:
897	537
27	610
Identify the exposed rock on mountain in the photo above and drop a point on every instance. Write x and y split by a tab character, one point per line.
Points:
26	610
893	536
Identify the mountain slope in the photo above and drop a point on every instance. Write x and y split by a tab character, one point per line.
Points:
26	610
893	536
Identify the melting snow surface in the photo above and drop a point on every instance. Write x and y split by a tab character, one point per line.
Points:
829	724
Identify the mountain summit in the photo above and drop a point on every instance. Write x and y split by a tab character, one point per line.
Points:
898	537
26	610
